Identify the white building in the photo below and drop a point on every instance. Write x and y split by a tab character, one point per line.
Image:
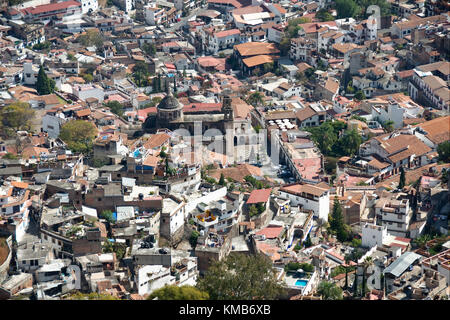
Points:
30	73
391	112
172	218
275	33
52	123
373	235
89	91
88	6
152	277
220	215
216	41
309	197
14	204
395	215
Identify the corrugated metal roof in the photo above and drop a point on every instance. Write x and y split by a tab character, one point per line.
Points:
402	263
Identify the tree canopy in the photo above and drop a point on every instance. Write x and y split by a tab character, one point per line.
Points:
141	74
357	8
402	180
241	277
359	95
115	107
149	48
443	151
323	15
255	99
78	134
326	136
91	38
329	291
15	117
44	85
174	292
347	9
337	224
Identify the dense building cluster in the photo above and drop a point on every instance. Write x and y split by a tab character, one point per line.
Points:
144	141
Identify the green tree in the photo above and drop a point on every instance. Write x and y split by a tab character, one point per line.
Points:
10	156
294	26
253	211
255	99
359	95
268	67
71	57
337	221
347	9
44	85
385	8
350	142
78	135
15	117
323	15
402	181
241	277
389	126
42	46
173	292
443	151
308	242
329	291
350	89
368	262
328	137
87	77
222	179
193	238
91	38
107	215
355	283
356	243
115	107
149	48
285	45
141	74
347	264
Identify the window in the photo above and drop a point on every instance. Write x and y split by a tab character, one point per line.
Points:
99	199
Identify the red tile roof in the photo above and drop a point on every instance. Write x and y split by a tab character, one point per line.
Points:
258	196
51	7
270	232
227	33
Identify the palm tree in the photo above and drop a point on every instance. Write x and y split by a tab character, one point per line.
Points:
368	262
355	283
255	99
347	260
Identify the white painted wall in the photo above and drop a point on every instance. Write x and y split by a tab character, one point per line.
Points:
219	193
373	235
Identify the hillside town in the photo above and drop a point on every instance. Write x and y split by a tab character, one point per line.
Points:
149	145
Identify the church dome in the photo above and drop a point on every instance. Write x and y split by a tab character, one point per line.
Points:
169	102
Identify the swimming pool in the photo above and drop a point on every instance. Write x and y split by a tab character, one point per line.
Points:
301	283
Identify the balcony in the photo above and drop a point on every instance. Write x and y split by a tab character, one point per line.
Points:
206	219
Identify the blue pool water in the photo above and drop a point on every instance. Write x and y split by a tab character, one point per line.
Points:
301	283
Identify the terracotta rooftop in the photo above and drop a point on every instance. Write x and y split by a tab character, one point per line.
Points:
259	196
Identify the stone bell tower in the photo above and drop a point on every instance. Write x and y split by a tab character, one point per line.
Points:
227	109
